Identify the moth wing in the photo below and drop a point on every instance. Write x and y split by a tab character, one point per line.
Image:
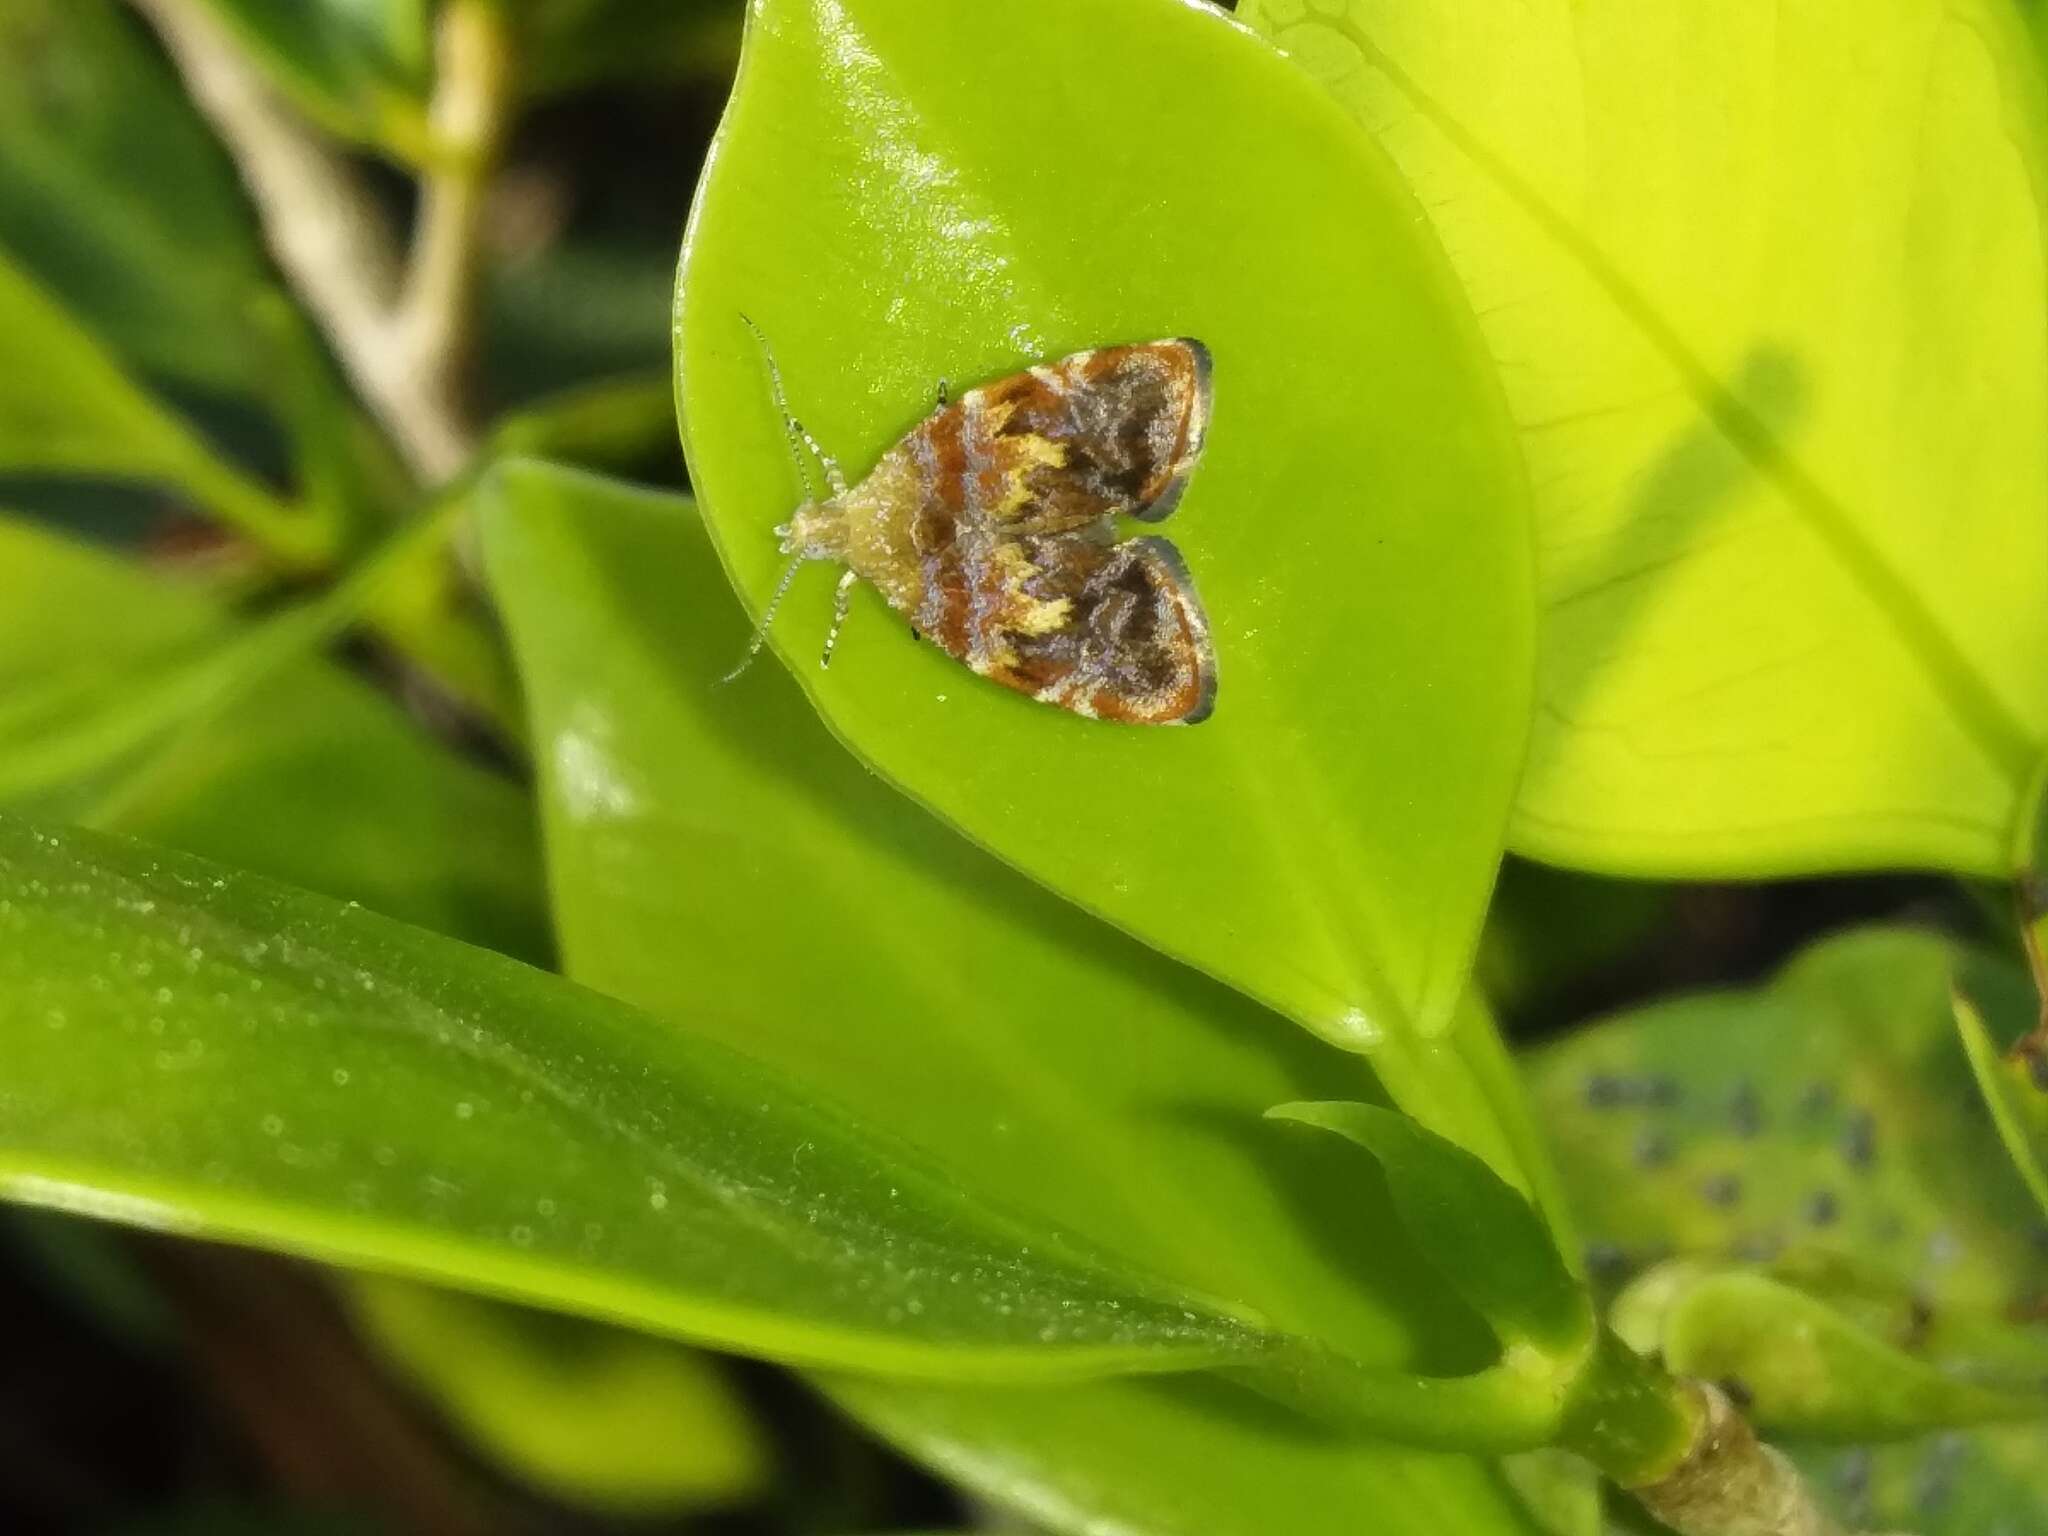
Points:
1132	642
1116	430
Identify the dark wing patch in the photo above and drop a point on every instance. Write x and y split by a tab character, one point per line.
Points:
1131	642
1114	430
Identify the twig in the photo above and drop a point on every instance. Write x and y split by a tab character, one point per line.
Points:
403	339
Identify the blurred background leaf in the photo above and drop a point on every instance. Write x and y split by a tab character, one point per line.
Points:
360	68
115	198
1813	1154
595	1416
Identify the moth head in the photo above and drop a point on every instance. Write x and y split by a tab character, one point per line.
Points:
816	532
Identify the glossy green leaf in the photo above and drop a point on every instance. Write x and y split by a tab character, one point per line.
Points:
591	1415
66	406
210	1053
1483	1235
358	67
710	841
114	196
2015	1087
1768	292
877	203
1806	1368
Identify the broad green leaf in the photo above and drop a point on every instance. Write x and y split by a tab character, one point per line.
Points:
115	198
1767	289
1486	1239
66	406
358	67
2013	1085
708	841
878	205
591	1415
210	1053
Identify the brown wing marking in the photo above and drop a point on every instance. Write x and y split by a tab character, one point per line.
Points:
1115	430
1110	631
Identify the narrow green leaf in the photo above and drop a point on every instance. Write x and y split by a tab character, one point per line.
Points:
2012	1086
66	406
135	706
321	1080
709	840
591	1415
1770	300
1356	527
360	68
1806	1369
1483	1236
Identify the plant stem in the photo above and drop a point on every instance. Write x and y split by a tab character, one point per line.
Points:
1729	1483
402	338
436	313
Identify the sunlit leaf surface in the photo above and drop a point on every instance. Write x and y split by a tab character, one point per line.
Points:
1767	289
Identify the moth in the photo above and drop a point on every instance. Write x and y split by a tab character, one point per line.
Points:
990	527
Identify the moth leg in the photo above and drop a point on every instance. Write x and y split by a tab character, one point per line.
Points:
842	604
945	394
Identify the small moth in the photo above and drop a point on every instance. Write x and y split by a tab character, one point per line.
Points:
988	526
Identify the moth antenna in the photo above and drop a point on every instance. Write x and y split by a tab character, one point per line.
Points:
799	439
767	617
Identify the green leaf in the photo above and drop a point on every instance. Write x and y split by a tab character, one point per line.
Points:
360	68
116	199
321	1080
1179	1457
1768	292
66	406
1989	1482
137	706
591	1415
1356	528
707	841
2013	1085
1482	1235
1807	1369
